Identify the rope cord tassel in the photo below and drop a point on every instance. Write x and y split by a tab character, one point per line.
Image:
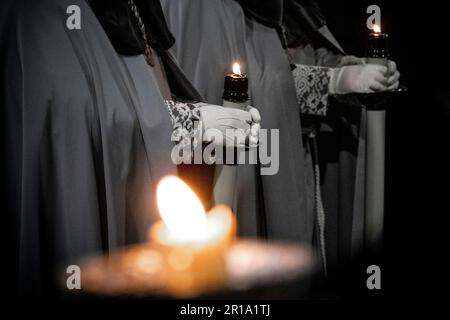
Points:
147	50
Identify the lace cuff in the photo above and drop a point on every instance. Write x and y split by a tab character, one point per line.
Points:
185	119
183	116
311	85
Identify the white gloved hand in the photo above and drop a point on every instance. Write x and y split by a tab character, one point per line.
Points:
229	122
393	74
365	78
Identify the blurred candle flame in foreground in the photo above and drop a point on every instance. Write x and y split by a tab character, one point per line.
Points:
181	210
376	28
236	68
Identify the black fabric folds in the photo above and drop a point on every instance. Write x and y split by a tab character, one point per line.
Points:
301	20
122	28
269	12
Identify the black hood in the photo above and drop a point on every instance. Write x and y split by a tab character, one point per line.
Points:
301	20
121	25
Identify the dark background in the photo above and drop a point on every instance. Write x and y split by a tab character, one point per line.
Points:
417	131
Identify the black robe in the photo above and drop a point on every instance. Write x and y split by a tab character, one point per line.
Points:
84	150
341	136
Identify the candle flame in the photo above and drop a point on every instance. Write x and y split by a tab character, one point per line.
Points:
236	68
180	209
376	28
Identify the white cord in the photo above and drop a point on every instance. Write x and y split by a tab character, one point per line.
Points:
318	201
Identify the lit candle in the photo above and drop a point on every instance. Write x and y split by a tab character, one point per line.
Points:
194	243
190	254
236	86
378	52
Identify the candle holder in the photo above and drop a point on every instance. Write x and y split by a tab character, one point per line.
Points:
251	268
235	88
378	49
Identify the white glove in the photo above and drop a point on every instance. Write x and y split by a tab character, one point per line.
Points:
393	76
365	78
229	122
256	125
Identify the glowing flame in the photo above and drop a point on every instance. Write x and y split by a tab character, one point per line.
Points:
236	68
376	28
181	210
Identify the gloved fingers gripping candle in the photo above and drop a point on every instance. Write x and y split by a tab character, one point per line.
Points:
236	112
254	134
392	67
364	78
393	82
256	116
255	126
229	121
394	75
377	54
